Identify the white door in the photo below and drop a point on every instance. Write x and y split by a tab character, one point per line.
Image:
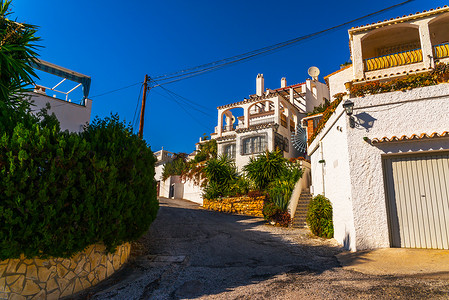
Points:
417	190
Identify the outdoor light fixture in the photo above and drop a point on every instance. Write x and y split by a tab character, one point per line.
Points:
276	127
349	107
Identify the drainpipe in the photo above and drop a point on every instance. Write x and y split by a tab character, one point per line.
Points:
322	166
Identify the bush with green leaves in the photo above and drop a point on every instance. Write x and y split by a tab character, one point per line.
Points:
319	217
220	174
265	168
61	192
178	166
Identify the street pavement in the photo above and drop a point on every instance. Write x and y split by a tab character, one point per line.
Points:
191	253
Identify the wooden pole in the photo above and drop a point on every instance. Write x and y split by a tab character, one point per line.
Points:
142	110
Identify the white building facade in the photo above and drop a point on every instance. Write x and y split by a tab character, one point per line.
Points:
72	116
266	120
388	177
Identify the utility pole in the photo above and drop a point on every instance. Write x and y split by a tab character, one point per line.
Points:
142	110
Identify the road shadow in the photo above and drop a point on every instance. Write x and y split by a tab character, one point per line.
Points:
190	252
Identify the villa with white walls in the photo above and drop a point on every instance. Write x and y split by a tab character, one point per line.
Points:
388	176
72	115
266	120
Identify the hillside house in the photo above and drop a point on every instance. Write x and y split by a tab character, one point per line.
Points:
72	115
266	120
385	165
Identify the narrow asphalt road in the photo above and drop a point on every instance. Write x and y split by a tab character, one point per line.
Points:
190	253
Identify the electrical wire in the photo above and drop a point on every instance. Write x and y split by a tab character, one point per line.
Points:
201	69
183	108
116	90
137	106
219	64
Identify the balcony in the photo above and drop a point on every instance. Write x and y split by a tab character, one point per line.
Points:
259	121
441	50
393	60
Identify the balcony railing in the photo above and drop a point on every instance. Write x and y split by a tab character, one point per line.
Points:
261	121
441	50
393	60
231	127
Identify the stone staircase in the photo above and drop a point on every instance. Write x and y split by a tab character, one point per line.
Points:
299	220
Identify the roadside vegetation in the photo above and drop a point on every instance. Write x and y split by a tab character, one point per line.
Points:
268	174
61	192
319	217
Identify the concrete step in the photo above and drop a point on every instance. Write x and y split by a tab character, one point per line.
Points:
299	220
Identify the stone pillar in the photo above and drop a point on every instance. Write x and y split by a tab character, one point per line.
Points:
426	44
357	56
220	123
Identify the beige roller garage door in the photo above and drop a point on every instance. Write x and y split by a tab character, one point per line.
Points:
417	188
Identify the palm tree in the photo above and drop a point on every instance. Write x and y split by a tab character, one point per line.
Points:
17	53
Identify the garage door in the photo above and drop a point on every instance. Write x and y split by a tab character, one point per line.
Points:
417	189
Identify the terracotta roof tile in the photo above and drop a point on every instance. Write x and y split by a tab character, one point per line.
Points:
413	137
404	18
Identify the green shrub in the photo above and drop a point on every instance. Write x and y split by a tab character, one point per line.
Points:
220	173
319	217
61	192
269	210
265	168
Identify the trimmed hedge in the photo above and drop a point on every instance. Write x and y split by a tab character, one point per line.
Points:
319	217
61	192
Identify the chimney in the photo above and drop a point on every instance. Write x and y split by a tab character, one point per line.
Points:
259	85
283	82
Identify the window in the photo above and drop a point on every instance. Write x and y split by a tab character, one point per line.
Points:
254	144
229	150
281	142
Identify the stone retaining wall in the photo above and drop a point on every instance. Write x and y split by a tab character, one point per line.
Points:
251	206
57	277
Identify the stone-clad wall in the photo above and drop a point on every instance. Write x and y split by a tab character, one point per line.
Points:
251	206
57	277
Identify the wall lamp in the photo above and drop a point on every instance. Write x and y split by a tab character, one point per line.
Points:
349	107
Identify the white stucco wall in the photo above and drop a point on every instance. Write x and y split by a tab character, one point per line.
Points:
193	192
338	80
333	149
421	110
361	196
71	116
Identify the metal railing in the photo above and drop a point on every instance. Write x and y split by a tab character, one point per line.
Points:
441	50
230	127
393	60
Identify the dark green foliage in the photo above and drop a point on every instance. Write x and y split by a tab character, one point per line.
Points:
177	166
61	192
220	173
265	168
206	151
319	217
269	210
284	185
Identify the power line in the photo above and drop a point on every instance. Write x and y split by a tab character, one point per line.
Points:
209	67
219	64
187	102
183	108
137	107
116	90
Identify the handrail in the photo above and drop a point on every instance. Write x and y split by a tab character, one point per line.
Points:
393	60
441	50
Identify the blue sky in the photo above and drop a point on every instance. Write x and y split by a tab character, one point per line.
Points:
118	42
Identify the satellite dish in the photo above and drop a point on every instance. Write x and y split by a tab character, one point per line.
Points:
314	72
299	139
233	119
